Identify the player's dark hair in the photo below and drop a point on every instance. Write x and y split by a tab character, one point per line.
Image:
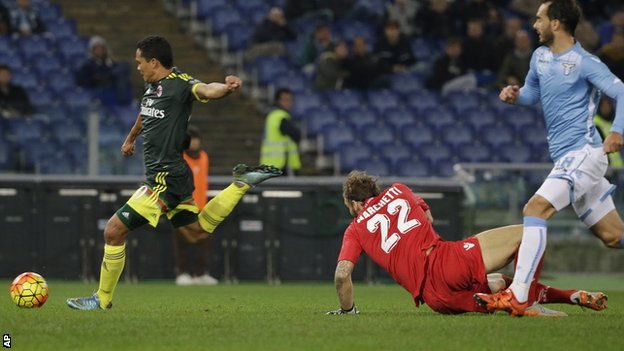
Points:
156	47
280	92
5	67
359	186
567	12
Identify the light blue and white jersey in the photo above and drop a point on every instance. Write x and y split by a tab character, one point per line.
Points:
569	87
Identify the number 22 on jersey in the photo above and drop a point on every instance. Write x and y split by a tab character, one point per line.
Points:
401	209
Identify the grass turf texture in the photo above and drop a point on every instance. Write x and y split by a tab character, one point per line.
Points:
162	316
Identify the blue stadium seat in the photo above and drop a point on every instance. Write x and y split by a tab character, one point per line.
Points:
27	81
42	99
423	100
515	153
269	67
347	30
496	136
50	14
70	47
225	17
456	135
438	117
535	135
6	154
480	118
461	101
46	64
375	166
413	167
68	131
305	101
37	151
205	8
23	130
360	116
133	165
60	81
342	100
293	80
111	136
474	152
350	154
238	37
444	168
6	44
417	136
394	152
381	99
57	163
398	117
253	11
335	136
318	118
406	84
377	134
436	152
77	149
13	60
77	99
33	46
519	119
423	50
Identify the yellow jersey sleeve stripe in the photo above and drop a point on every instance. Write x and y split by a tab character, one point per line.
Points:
197	96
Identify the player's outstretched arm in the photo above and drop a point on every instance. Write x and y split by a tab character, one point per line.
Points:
344	288
127	149
214	91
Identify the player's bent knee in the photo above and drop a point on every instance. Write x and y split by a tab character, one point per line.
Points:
114	232
538	206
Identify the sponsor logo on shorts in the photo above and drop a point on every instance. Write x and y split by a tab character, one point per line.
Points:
126	214
468	246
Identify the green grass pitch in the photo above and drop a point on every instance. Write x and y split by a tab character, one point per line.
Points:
161	316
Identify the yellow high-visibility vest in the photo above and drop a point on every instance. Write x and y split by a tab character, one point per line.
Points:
604	126
278	149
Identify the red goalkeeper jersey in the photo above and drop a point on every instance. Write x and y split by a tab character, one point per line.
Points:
394	232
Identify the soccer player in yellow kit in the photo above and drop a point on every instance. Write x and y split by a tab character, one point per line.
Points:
165	110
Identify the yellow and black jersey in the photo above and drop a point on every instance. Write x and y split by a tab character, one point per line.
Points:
165	111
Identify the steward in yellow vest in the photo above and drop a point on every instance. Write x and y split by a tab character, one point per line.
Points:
603	121
279	144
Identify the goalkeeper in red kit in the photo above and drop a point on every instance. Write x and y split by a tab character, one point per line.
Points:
394	228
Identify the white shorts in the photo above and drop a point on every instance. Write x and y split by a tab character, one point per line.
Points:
578	179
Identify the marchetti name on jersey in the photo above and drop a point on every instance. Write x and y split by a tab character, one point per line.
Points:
152	112
390	195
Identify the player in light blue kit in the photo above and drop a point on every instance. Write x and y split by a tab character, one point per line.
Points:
568	81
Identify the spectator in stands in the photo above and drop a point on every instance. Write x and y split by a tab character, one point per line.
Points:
516	64
106	78
526	8
281	135
436	20
318	43
604	121
394	50
476	47
587	35
404	13
5	20
504	44
363	67
269	36
616	21
476	9
13	99
447	67
612	53
187	273
25	20
274	28
331	69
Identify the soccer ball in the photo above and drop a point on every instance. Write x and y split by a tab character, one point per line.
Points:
29	290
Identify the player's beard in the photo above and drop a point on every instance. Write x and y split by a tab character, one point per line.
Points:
546	37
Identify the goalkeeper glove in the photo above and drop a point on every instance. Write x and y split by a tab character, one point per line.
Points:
353	310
